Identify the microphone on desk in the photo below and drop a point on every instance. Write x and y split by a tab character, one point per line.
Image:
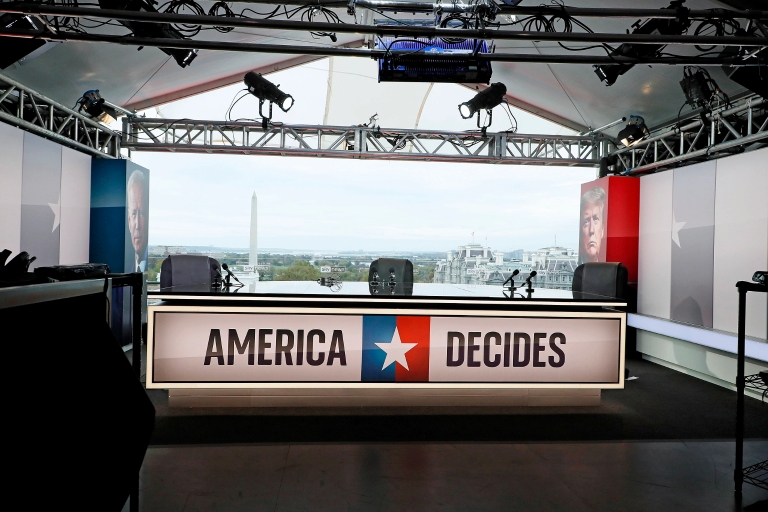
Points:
229	272
531	276
510	278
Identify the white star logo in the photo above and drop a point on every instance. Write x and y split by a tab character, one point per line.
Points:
676	227
396	351
56	208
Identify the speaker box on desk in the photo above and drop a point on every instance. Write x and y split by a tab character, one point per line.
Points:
395	277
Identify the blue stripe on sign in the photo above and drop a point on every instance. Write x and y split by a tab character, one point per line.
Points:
107	242
108	183
377	329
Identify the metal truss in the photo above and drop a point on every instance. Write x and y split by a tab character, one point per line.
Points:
722	132
361	142
36	113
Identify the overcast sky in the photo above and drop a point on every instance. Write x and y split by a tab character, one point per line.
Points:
333	205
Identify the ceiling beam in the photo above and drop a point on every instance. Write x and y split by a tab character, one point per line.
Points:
359	52
381	30
738	9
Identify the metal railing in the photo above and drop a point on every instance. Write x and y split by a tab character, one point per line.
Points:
36	113
362	142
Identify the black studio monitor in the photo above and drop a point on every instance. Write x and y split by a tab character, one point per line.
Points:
391	276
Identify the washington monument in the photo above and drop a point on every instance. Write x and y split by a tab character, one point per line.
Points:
253	256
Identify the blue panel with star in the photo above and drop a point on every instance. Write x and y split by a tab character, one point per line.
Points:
377	329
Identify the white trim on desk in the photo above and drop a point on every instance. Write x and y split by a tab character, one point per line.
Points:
179	298
727	342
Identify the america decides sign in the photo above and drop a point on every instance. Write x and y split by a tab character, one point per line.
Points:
245	349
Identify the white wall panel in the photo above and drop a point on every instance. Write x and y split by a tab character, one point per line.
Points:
655	244
741	239
75	207
11	156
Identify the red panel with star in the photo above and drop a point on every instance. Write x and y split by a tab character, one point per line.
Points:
414	329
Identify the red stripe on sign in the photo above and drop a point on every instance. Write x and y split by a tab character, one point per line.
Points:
414	329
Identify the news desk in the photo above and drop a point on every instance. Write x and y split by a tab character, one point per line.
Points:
298	344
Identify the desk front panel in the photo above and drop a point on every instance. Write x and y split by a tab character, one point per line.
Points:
247	347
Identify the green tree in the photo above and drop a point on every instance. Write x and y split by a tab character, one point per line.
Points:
299	271
154	270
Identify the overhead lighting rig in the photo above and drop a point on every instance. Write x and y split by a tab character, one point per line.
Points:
183	57
265	90
668	27
473	22
412	59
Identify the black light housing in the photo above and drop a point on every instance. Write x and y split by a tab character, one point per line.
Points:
634	132
15	49
182	56
98	108
484	100
698	87
608	73
267	91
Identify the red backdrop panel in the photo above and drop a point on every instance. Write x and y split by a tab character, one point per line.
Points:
609	221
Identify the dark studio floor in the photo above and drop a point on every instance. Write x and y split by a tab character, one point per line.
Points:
663	443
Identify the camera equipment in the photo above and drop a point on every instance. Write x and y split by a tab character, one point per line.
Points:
332	282
761	277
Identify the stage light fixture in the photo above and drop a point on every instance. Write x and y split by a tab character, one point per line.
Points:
699	88
99	108
484	100
267	91
182	56
608	73
634	132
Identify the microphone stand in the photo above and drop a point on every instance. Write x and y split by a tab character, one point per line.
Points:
511	288
530	289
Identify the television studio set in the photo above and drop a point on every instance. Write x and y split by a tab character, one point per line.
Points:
374	255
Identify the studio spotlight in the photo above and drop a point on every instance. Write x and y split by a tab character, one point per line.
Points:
608	73
98	108
634	132
267	91
182	56
699	88
484	100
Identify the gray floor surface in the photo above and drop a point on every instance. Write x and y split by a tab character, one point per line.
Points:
597	476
